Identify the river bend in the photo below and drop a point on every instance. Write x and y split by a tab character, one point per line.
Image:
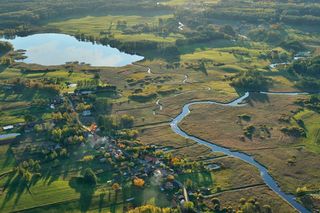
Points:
267	178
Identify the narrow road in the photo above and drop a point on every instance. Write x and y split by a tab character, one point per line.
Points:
236	189
148	68
77	114
159	105
185	79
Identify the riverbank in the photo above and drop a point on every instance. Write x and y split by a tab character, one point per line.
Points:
214	110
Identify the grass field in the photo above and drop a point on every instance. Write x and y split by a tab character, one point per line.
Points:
92	26
16	103
263	195
224	179
11	73
311	120
7	160
40	194
186	2
235	178
216	56
274	151
171	84
57	195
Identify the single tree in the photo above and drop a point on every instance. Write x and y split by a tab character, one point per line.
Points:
90	177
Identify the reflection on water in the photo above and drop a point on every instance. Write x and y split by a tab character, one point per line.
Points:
57	49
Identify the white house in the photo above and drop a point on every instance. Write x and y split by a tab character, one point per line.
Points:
86	113
8	127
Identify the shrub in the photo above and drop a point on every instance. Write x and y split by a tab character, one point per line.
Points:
306	67
188	206
245	117
6	61
251	81
293	45
88	158
5	46
170	178
294	131
138	182
116	186
309	84
143	98
126	121
249	130
284	118
150	208
166	92
301	191
128	134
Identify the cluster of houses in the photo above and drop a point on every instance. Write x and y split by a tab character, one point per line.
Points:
55	102
146	166
8	136
299	55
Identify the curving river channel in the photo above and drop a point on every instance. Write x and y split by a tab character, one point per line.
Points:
267	178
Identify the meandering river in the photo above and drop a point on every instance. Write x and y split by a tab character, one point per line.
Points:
57	49
267	178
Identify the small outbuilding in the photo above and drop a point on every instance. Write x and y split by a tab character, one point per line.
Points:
6	128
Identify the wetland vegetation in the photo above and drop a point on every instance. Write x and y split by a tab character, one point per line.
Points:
88	90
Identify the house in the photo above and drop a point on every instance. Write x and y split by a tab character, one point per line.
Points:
130	199
103	160
151	159
57	100
7	87
117	154
168	186
5	128
86	92
181	198
86	113
157	173
93	127
301	55
9	136
213	167
57	147
72	85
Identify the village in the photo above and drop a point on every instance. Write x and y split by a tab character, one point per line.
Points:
128	160
173	106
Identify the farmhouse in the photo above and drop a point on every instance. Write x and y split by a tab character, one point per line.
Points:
5	128
86	113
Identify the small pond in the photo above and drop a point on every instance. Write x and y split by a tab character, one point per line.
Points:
56	49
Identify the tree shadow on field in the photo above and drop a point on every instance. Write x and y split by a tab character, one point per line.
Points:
16	185
86	192
9	158
101	201
3	68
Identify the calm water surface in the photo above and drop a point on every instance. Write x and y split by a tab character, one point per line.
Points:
57	49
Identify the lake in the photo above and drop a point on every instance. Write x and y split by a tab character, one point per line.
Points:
57	49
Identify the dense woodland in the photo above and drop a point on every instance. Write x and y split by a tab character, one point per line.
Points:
15	13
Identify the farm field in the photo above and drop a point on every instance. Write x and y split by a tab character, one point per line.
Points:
214	108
